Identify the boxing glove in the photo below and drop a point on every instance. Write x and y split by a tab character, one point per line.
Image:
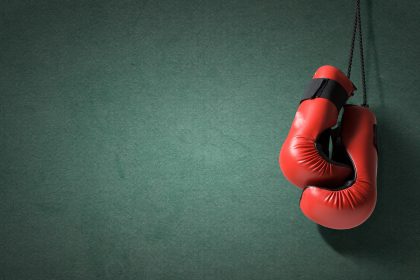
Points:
348	205
304	157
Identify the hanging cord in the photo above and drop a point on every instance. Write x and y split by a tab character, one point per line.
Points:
357	26
353	38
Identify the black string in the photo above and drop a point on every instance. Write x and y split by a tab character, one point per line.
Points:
362	59
357	26
353	38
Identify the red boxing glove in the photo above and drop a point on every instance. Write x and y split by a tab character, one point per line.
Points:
348	205
303	156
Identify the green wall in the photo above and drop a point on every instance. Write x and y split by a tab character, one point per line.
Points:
139	139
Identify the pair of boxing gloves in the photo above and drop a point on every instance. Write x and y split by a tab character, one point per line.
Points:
335	164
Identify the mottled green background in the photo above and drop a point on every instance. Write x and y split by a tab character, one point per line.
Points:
139	139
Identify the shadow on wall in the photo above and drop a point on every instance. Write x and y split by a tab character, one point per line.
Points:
391	233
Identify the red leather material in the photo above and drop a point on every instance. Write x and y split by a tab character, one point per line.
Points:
332	73
350	206
300	161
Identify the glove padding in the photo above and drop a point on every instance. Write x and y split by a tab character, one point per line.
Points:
303	156
349	204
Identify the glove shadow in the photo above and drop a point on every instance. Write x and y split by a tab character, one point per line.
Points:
390	232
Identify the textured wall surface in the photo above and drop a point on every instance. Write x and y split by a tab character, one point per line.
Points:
139	139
